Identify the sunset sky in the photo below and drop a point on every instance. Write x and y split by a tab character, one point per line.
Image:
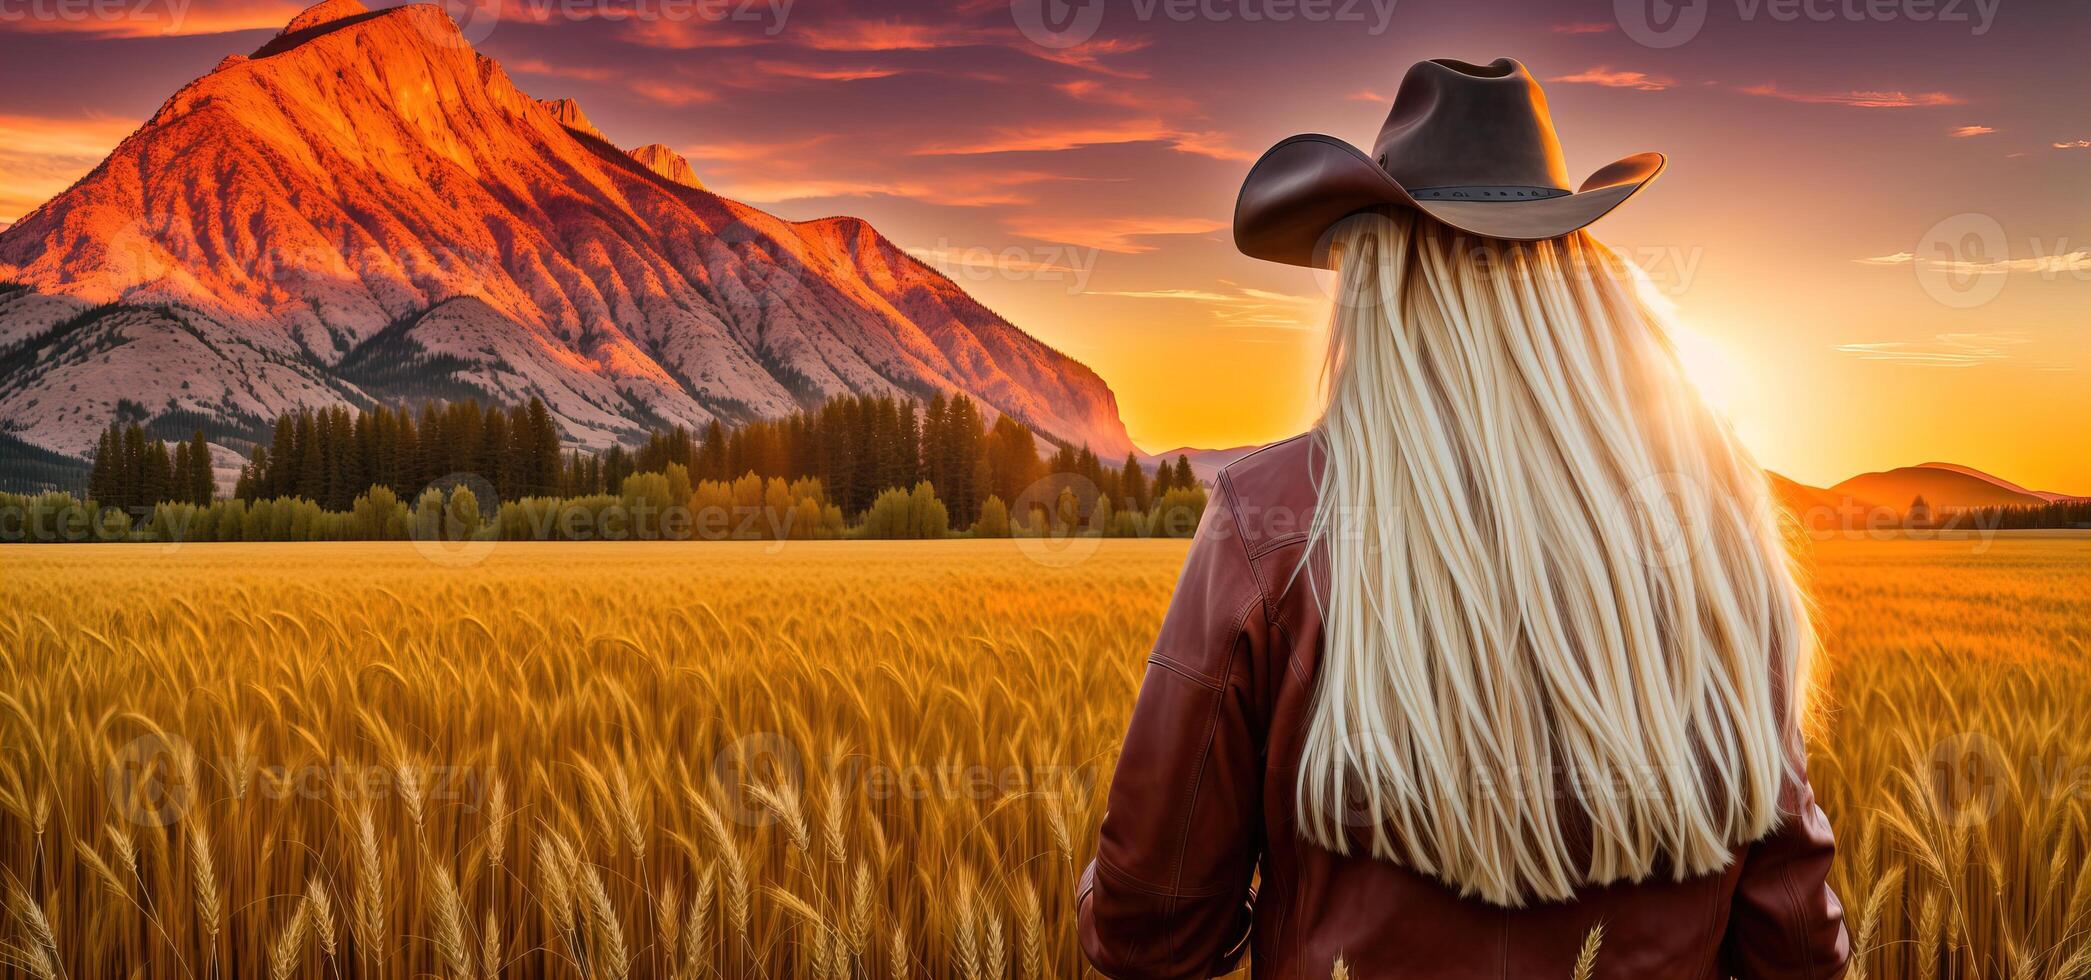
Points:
1875	231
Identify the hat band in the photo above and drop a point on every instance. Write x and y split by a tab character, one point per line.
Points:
1485	193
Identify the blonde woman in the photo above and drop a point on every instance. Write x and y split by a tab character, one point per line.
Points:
1508	648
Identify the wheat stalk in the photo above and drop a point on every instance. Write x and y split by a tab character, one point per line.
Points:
628	819
204	875
555	886
322	908
101	870
697	928
782	801
370	890
283	956
42	957
1586	958
616	961
897	964
497	822
408	777
490	948
860	911
667	919
737	888
1033	947
450	923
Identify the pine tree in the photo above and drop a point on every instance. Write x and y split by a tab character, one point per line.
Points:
132	486
101	479
203	482
311	474
543	475
156	480
1132	484
1184	479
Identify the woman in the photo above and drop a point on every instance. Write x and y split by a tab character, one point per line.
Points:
1507	649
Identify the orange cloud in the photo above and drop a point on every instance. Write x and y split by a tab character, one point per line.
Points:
1605	76
1124	97
675	94
534	66
1089	54
2072	145
1366	95
1119	235
1858	99
742	151
1049	138
884	35
1244	306
40	156
696	33
789	69
1966	131
1583	27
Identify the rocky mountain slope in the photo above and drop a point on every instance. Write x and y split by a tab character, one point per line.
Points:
367	210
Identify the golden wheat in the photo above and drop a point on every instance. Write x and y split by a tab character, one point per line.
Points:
829	759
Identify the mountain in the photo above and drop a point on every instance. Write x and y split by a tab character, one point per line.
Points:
366	210
1820	508
2047	495
1206	464
667	163
1943	489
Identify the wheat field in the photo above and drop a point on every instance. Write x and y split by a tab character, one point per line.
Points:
827	759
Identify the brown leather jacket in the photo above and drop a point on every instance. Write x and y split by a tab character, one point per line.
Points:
1202	804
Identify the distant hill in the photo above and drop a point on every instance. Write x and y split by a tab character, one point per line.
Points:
1943	489
2048	495
1206	463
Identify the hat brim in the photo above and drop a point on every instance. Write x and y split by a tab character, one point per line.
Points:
1306	184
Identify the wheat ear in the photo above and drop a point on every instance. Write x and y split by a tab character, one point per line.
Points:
1586	958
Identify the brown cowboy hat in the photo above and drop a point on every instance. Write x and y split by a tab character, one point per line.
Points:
1469	145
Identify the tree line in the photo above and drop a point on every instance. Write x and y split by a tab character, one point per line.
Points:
873	466
2017	517
132	472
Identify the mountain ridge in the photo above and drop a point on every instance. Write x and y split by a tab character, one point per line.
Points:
356	177
1945	486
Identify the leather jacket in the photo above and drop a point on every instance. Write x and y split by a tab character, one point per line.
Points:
1202	807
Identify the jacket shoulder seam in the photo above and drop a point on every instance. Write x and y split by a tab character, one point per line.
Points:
1241	537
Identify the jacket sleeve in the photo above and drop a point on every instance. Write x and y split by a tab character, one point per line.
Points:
1786	923
1168	895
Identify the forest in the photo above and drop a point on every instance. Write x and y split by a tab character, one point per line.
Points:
857	466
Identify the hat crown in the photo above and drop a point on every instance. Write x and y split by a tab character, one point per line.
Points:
1459	125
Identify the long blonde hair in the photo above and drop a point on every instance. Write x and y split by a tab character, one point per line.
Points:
1564	643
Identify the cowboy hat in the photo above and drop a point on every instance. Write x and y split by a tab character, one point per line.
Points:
1470	145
